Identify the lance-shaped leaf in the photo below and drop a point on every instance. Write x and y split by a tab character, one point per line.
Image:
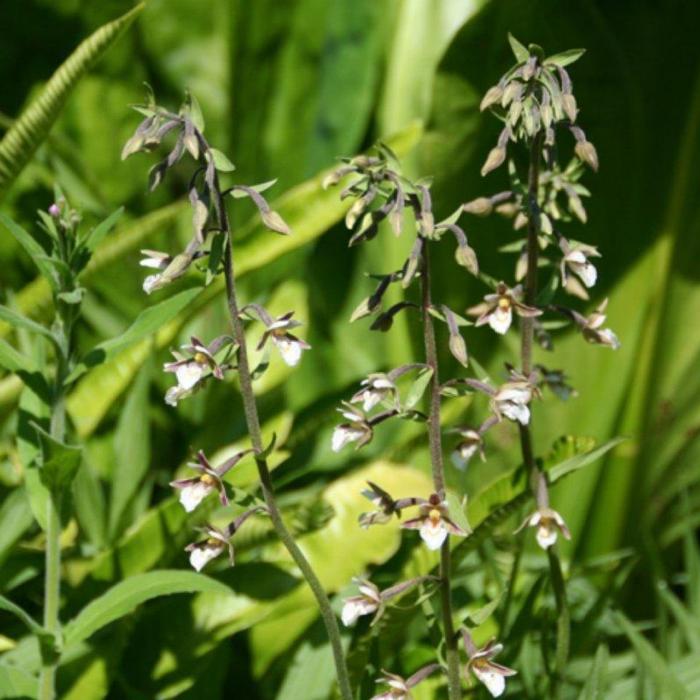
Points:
30	129
125	596
59	462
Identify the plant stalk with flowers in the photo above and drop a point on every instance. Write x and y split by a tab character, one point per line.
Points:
381	193
198	362
535	100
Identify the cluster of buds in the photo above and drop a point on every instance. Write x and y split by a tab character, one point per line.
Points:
534	96
205	194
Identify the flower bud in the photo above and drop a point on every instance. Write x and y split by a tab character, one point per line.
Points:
495	159
481	206
586	151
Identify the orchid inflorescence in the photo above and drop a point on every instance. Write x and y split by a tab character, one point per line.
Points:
535	101
198	361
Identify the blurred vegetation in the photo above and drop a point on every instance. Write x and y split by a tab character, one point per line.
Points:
286	88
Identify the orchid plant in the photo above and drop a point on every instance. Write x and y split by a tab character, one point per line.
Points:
534	100
198	362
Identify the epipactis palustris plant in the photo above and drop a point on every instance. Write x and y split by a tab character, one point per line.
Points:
199	361
61	252
535	102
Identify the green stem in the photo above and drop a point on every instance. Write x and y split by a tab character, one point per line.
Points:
454	682
253	424
538	481
52	581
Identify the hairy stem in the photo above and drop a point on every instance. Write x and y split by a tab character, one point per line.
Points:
538	481
435	439
52	576
253	424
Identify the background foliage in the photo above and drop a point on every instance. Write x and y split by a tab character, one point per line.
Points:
286	88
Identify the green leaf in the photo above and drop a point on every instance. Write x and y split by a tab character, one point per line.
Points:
131	447
146	323
58	462
564	58
579	461
456	510
18	321
31	624
30	245
667	683
125	596
16	684
16	516
595	683
12	360
221	161
418	387
32	126
519	51
96	236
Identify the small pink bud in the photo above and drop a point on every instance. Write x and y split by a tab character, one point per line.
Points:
55	211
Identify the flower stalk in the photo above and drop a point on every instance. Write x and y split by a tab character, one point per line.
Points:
538	480
253	424
435	441
52	574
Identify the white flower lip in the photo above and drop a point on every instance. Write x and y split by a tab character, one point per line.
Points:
356	607
192	495
501	319
201	555
289	349
495	683
433	534
343	435
188	374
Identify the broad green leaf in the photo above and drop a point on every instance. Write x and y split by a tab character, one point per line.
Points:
146	323
58	463
90	504
311	674
666	681
32	126
131	447
17	684
125	596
